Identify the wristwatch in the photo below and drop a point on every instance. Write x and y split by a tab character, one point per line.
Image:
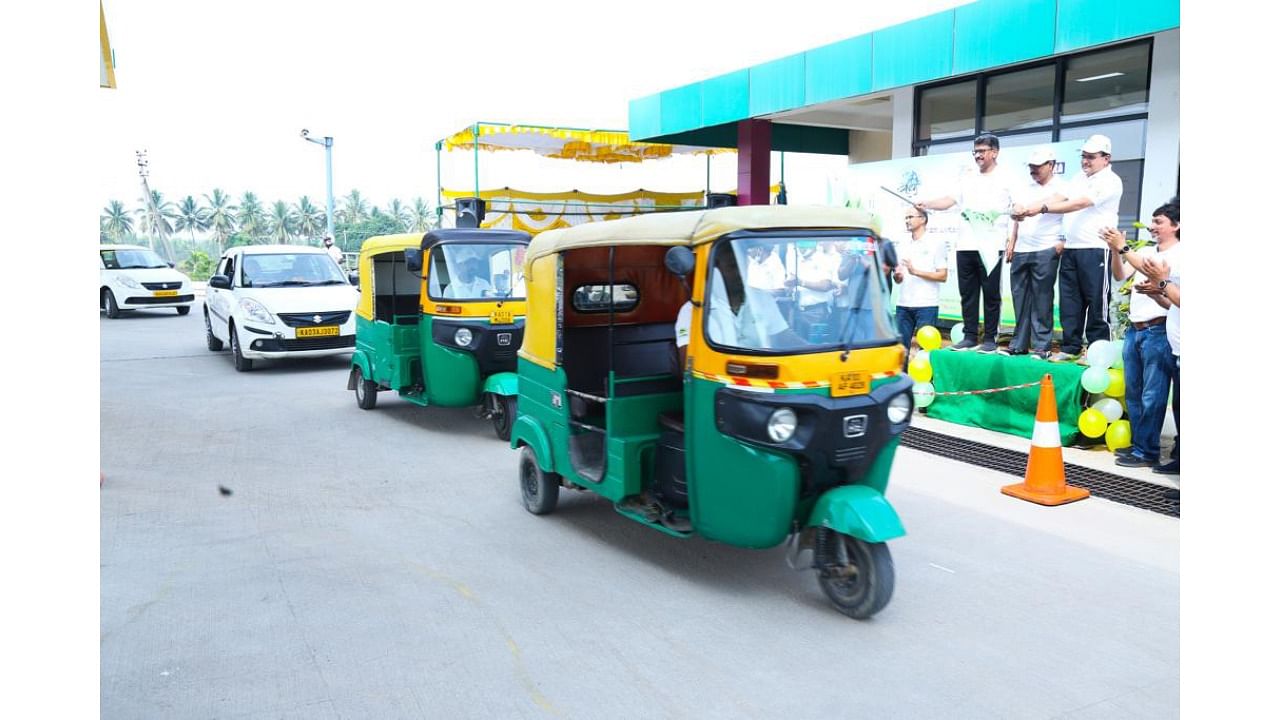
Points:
1123	250
1163	284
1044	209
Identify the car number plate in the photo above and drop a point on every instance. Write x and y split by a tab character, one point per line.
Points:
845	384
318	331
500	317
165	293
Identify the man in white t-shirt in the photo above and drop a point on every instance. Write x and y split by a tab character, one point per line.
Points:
985	199
1033	253
816	281
1164	285
469	282
1148	359
1090	204
764	268
334	251
922	268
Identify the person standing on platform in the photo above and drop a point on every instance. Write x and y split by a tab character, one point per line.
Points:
1091	204
985	198
1148	359
921	271
1032	253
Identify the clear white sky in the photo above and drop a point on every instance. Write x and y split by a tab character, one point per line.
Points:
217	93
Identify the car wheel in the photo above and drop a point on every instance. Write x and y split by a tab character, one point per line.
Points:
113	310
503	412
184	309
366	391
539	490
243	364
214	343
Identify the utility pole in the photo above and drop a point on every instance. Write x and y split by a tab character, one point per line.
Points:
328	176
158	220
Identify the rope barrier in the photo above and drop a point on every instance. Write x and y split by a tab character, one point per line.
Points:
986	392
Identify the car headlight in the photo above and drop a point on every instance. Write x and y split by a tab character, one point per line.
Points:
256	311
899	408
462	337
781	425
128	282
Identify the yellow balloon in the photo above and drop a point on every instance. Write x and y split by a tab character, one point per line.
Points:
1116	388
1092	423
929	338
1119	435
920	370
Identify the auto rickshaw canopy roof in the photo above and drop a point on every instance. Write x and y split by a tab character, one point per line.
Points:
697	227
602	146
380	244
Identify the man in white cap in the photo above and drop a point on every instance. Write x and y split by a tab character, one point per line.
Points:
1032	254
1090	204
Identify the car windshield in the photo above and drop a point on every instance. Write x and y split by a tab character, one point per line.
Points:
129	258
477	271
798	294
289	270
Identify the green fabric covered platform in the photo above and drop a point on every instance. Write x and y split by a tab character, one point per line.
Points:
1014	411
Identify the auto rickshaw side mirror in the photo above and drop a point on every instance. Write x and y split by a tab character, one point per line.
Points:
354	278
679	261
221	282
413	259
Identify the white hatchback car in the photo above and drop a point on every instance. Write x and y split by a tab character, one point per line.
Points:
133	277
276	301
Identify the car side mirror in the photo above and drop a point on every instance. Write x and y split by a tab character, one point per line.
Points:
679	261
172	265
221	282
354	278
413	259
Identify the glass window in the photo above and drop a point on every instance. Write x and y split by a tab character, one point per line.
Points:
1106	84
798	294
948	111
127	259
476	271
942	148
289	270
596	298
1020	100
1025	139
1128	138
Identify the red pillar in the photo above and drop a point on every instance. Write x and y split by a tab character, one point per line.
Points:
754	138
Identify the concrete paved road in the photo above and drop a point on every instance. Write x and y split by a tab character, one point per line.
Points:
379	564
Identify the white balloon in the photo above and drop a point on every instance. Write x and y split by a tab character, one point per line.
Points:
1102	353
1110	408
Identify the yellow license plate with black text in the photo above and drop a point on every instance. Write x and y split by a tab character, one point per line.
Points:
165	293
500	317
324	331
856	382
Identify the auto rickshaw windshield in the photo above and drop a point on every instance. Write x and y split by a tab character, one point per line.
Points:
797	294
477	271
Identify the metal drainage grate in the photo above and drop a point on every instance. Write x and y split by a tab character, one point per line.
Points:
1139	494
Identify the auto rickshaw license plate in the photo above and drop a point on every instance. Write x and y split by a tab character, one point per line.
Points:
500	317
857	382
318	331
165	293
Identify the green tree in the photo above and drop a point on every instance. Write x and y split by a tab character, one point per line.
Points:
221	215
157	215
398	212
309	220
251	218
115	221
198	265
280	222
355	209
420	217
191	217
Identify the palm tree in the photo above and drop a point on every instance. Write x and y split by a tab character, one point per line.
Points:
157	215
399	213
251	217
355	208
309	220
280	222
191	217
421	217
221	215
116	222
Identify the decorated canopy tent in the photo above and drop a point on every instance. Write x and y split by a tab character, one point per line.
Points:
603	146
535	212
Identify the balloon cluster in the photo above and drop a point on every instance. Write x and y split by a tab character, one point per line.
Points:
920	369
1105	376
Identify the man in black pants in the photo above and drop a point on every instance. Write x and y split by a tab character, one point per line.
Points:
985	198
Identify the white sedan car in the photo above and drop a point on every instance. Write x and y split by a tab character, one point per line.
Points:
277	301
133	277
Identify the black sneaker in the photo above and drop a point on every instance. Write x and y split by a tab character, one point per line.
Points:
1124	452
965	344
1169	468
987	348
1134	461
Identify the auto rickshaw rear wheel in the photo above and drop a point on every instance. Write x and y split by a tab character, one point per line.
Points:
366	391
502	411
539	489
855	575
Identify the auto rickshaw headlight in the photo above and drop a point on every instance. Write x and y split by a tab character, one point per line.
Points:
781	425
899	408
462	337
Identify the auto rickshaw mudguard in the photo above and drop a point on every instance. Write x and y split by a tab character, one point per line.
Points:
859	511
528	431
359	359
503	383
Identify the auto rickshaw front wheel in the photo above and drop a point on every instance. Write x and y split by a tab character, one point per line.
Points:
855	575
502	411
366	391
539	489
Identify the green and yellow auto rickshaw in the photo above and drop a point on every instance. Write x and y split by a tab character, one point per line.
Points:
440	318
784	419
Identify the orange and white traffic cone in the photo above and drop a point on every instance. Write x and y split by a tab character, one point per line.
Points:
1046	480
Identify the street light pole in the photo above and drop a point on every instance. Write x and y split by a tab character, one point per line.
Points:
328	177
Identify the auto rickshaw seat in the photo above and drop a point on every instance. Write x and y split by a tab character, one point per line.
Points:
672	420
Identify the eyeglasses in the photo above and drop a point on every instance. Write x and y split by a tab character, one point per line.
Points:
981	151
914	217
